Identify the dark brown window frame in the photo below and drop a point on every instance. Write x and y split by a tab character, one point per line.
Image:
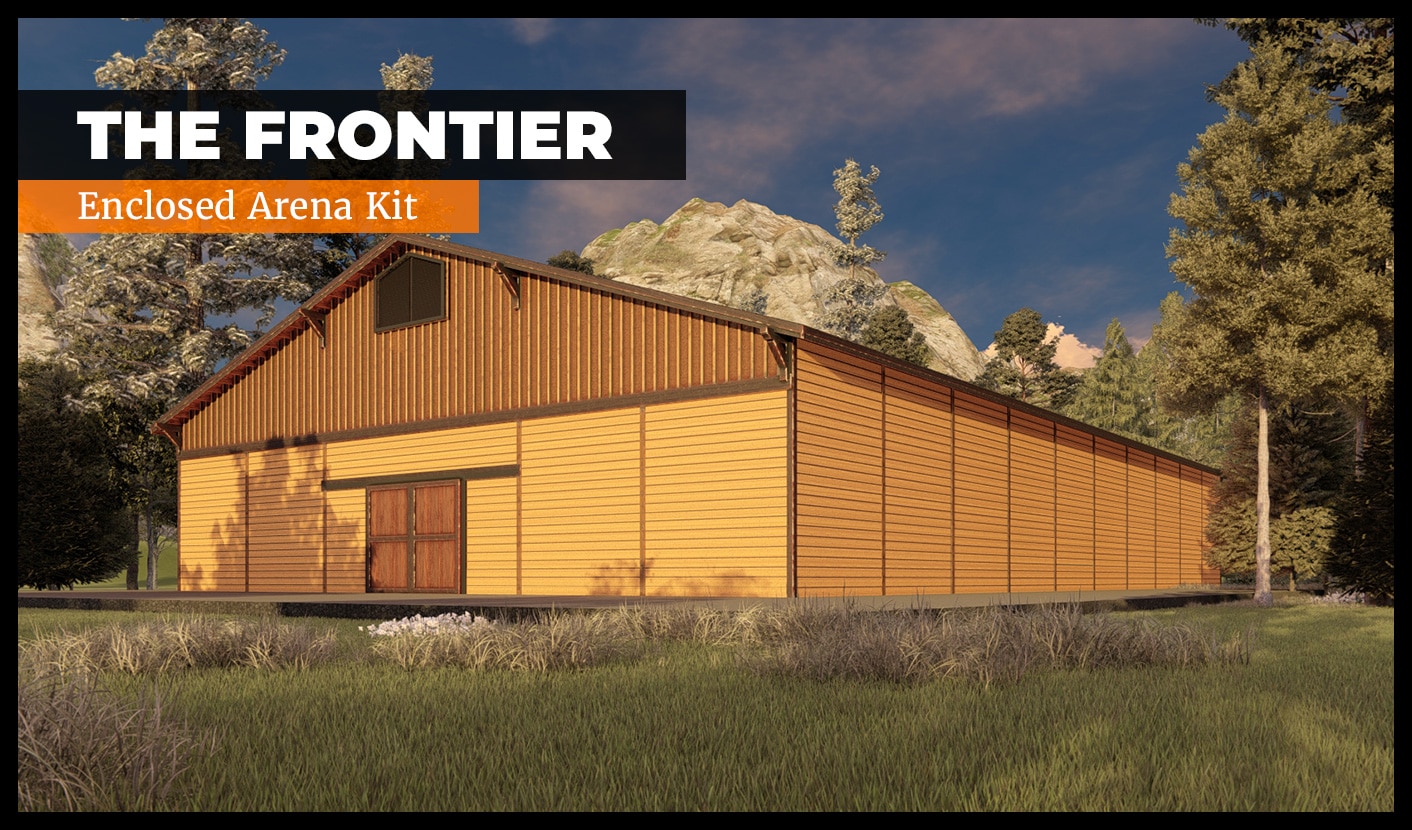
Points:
409	263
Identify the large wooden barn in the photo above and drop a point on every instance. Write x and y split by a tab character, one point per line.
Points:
449	420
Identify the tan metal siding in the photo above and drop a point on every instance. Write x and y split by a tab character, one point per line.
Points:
213	516
838	474
1111	514
982	495
1074	512
566	343
716	497
917	485
286	524
581	509
1142	519
961	492
1033	557
492	554
1169	523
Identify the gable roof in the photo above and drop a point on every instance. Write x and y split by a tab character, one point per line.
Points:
309	314
312	311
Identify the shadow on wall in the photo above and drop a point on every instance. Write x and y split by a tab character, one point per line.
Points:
619	578
261	522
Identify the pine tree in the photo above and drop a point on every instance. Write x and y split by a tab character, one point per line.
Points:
889	330
1307	467
1114	395
402	84
139	319
848	306
137	313
69	506
1362	553
1288	258
1023	364
571	261
857	211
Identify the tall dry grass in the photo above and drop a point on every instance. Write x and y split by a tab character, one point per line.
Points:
84	748
145	648
988	644
823	642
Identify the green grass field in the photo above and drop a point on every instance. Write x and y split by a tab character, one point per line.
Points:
1305	724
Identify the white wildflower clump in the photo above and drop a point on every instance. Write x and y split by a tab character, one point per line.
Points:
419	625
1336	597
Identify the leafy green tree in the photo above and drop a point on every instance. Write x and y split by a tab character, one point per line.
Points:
890	331
72	524
1023	365
857	211
571	261
1288	257
1307	467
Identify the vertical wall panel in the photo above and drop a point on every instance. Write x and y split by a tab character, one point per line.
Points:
1110	515
286	520
566	343
1074	514
581	508
982	495
1032	503
1169	523
716	497
1142	519
213	513
838	474
491	553
918	486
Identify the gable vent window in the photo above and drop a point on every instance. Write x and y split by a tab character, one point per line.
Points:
411	291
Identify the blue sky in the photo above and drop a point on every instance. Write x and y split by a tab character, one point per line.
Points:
1024	162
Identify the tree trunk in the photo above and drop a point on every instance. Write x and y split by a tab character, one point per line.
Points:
1262	507
136	549
152	550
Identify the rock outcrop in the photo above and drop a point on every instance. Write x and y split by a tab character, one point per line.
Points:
36	300
712	252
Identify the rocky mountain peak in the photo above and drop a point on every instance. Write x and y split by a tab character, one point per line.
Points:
709	251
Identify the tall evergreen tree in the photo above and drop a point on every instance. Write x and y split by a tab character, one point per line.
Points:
1288	257
890	331
72	525
857	211
137	315
1362	553
147	317
1114	395
1307	467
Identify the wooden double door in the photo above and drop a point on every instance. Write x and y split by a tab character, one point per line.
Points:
414	537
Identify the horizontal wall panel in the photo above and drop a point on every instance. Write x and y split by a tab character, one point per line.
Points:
961	492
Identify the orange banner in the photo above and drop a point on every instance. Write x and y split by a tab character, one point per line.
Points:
241	206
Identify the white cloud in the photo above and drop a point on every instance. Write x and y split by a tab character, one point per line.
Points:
531	30
1069	351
